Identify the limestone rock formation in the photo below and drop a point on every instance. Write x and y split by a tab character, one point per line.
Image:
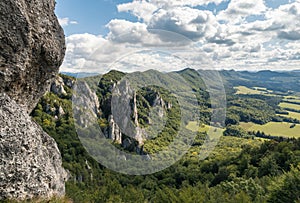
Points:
114	131
32	48
61	111
135	111
85	105
160	103
57	86
124	109
30	162
69	82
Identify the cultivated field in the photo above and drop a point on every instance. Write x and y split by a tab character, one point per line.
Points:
292	115
292	98
274	128
193	126
254	90
289	106
246	90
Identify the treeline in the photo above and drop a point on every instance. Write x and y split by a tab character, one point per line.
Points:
245	109
293	110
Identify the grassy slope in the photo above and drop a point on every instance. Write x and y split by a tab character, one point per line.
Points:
227	145
246	90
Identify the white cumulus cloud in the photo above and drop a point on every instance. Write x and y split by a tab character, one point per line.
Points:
238	10
246	35
66	21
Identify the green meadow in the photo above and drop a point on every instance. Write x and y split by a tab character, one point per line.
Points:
292	98
246	90
289	106
274	128
194	126
292	115
254	90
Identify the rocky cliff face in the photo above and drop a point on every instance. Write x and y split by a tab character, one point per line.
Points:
123	117
32	48
114	132
125	111
57	87
85	105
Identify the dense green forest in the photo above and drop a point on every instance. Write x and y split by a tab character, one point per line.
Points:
245	166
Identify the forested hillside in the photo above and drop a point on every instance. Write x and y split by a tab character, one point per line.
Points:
247	165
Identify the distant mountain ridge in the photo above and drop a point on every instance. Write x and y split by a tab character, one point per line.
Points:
80	74
271	79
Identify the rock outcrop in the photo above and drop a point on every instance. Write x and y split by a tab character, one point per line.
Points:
114	132
57	86
30	162
85	105
160	103
125	115
124	109
32	48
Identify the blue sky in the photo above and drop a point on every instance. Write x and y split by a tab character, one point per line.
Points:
252	34
95	14
91	15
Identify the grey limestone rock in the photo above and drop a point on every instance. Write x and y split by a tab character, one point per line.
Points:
30	162
85	105
32	47
114	132
57	86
